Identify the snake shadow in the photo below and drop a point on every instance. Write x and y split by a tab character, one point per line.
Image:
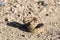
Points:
23	27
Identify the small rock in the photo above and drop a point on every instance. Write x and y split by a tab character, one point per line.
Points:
2	4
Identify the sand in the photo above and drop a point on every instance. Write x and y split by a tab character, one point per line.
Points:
15	13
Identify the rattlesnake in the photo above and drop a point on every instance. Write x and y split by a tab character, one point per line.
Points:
35	26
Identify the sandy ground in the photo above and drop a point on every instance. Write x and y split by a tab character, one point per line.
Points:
13	12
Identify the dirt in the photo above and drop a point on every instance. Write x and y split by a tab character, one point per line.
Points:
29	19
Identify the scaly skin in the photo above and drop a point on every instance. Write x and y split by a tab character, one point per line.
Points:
33	26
